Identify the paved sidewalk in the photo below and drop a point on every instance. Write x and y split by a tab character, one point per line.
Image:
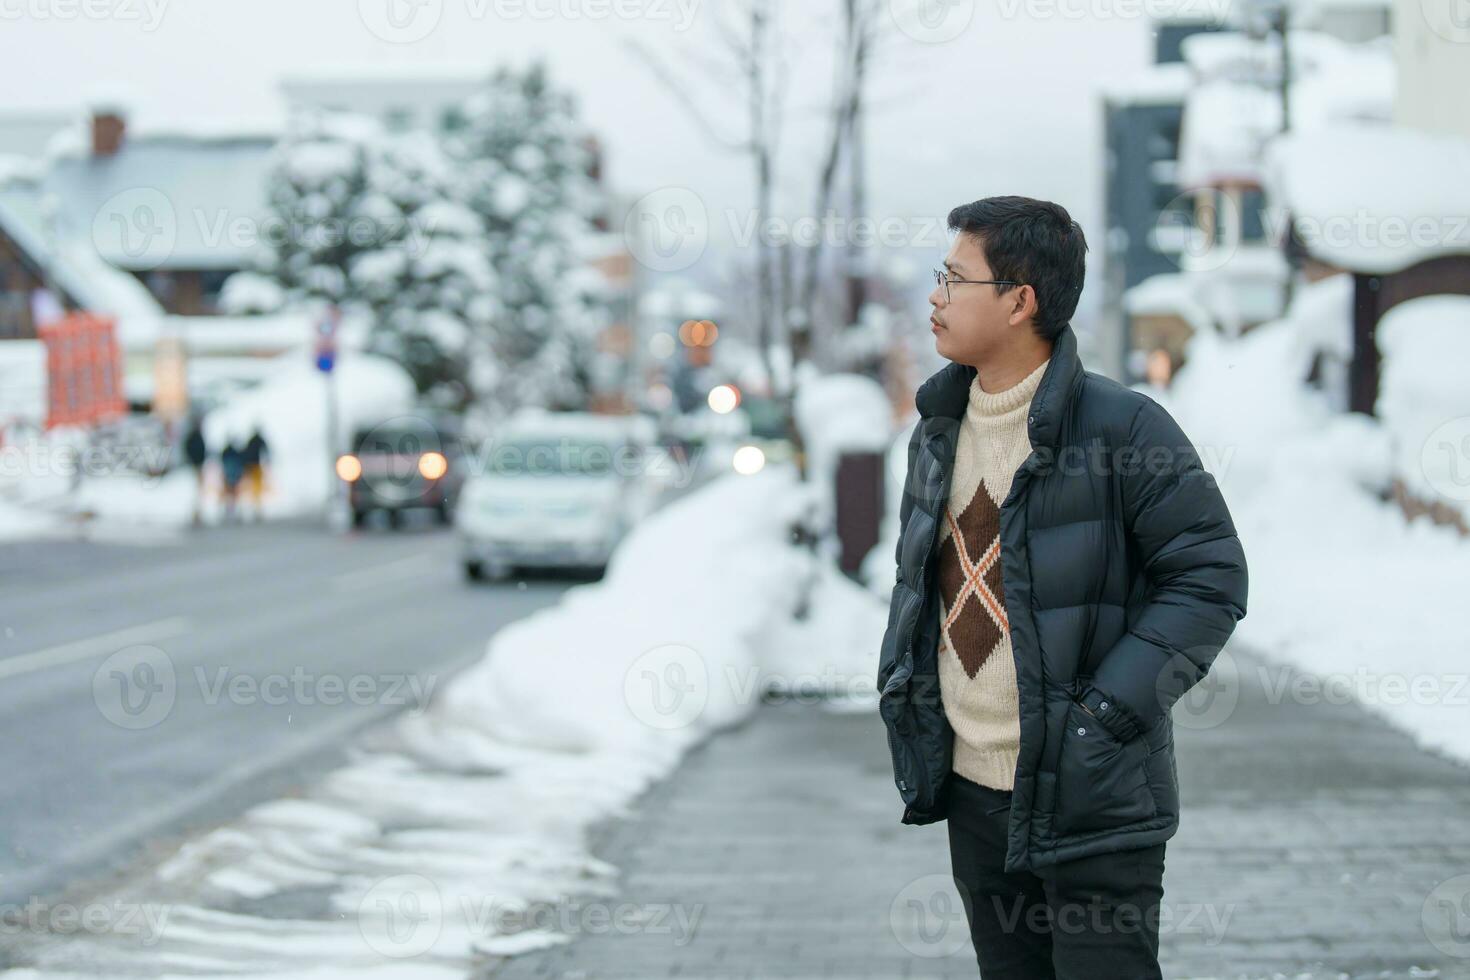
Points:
1312	837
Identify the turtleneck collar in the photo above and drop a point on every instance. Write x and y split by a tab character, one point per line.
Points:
990	405
946	393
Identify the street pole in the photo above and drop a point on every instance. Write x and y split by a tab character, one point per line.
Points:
333	491
326	358
1283	24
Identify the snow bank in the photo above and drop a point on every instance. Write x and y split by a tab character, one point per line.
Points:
837	414
456	833
23	523
840	413
1423	400
1165	84
879	566
22	383
692	591
1342	586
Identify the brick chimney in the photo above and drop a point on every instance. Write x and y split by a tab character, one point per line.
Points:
109	128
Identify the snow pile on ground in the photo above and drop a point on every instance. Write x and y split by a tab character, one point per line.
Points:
1341	584
22	523
832	651
840	413
460	832
1423	399
879	566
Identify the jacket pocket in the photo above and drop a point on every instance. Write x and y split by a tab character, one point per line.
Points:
1102	783
1163	777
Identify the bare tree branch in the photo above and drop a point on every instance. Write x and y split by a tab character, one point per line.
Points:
682	92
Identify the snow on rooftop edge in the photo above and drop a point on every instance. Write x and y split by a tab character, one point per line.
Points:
1374	198
1164	84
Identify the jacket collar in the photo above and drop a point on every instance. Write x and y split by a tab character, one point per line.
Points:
947	391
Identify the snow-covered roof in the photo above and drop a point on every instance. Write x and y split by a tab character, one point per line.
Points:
1303	12
1374	199
166	201
1236	109
254	335
74	266
1225	131
1227	291
1165	84
27	132
14	166
1189	11
1358	86
1169	294
1244	289
1237	56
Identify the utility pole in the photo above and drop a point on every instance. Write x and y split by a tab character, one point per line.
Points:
326	360
1283	27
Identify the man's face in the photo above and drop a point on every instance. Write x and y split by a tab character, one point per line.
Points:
974	320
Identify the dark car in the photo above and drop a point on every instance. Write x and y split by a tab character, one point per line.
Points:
409	461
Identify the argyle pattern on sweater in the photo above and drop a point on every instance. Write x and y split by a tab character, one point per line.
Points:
977	669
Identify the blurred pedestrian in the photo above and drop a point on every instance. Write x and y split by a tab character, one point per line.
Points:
256	450
232	470
196	454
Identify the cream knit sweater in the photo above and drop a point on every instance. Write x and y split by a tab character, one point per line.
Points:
977	672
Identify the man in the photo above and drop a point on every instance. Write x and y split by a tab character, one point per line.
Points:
255	454
1066	571
196	452
232	471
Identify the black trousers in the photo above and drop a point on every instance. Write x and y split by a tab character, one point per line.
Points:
1095	918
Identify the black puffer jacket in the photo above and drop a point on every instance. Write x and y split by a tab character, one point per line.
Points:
1123	579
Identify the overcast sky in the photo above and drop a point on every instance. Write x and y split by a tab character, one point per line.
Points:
971	98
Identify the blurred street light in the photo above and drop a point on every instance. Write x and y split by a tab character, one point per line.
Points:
349	468
723	399
748	460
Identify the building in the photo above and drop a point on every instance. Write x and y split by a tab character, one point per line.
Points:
144	228
1141	196
1191	236
1431	56
180	210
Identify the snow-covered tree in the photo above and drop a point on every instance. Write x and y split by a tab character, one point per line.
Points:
462	246
367	222
321	217
523	167
432	290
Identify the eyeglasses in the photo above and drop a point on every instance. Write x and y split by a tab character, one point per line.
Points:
942	278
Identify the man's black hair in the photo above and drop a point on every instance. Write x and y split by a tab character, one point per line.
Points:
1033	242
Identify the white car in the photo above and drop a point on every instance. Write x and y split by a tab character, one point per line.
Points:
552	489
